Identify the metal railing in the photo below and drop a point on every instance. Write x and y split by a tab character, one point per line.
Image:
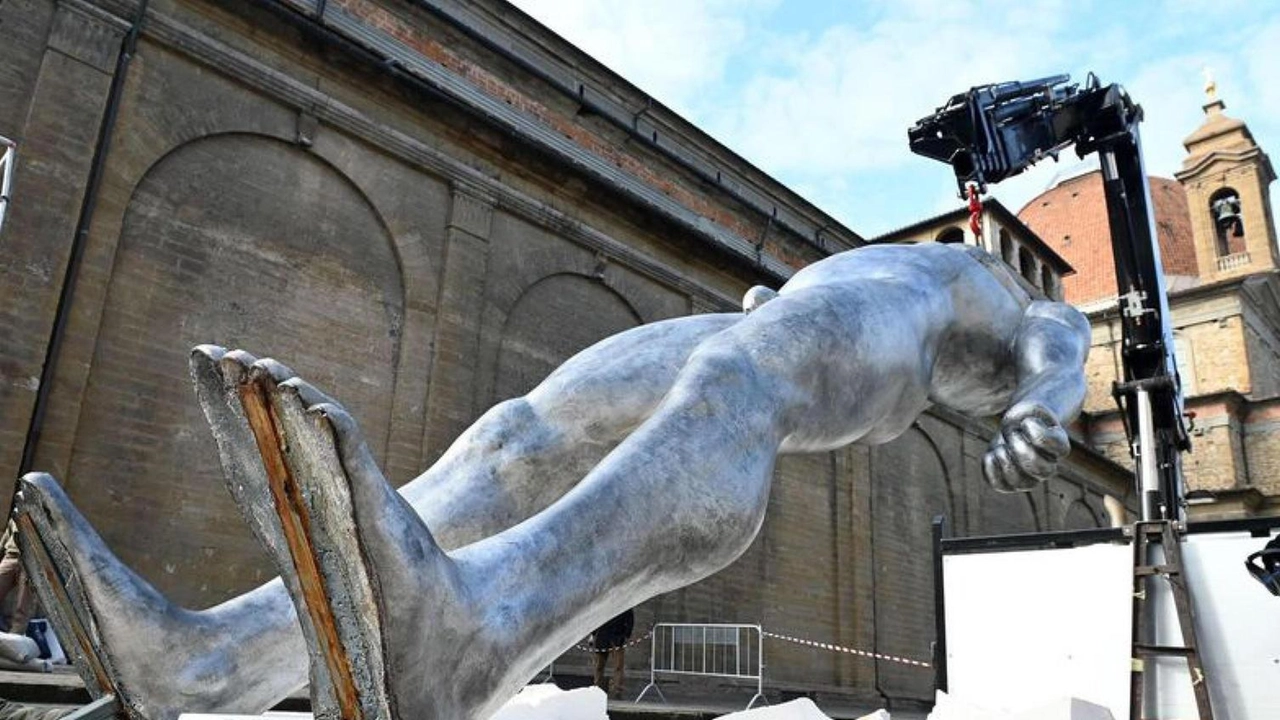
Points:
714	650
8	156
1233	261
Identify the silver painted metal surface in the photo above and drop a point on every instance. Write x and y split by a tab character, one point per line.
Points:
639	466
8	158
1145	449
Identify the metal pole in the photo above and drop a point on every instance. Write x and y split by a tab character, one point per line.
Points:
7	159
939	608
1148	480
759	670
653	658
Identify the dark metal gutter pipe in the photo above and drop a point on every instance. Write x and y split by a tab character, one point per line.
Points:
128	47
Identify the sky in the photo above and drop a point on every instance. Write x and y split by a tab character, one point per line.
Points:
820	93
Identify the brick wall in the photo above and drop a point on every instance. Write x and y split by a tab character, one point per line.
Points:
1262	447
420	264
1225	338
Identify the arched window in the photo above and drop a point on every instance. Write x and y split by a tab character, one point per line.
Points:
1049	282
1185	360
1006	247
951	235
1027	265
1228	222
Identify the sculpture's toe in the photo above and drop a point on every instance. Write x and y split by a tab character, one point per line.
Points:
277	371
236	365
308	394
208	376
204	362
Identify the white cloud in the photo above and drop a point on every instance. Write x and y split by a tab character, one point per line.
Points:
826	110
674	50
1261	73
1171	93
844	101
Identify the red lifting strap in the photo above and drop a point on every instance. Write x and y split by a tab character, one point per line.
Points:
975	211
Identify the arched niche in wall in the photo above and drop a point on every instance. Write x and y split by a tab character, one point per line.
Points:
1005	513
1048	282
242	241
1080	515
1006	248
951	235
551	321
910	486
1027	266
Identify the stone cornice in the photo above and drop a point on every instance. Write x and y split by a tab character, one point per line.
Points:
508	31
1199	164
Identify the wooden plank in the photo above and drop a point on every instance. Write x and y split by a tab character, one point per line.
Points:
54	581
1186	619
295	522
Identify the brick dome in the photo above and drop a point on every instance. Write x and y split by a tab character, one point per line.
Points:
1072	219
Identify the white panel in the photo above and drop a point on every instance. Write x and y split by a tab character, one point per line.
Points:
1238	625
1027	627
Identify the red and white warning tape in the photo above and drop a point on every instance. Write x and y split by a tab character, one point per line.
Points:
851	651
629	643
787	638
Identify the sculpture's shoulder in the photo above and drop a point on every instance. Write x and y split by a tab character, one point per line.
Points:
918	265
1022	290
1062	314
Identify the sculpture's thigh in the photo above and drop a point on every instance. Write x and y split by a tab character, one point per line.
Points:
524	453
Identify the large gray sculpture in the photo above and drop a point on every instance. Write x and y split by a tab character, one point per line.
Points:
641	465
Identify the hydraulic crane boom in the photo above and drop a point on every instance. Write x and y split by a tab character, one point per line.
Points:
993	132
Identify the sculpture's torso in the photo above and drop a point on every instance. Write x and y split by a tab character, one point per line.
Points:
887	331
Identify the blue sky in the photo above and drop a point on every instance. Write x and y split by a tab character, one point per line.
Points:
820	93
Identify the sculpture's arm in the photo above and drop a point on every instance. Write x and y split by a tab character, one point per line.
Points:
1050	350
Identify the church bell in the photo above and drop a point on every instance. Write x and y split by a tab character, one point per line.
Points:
1227	215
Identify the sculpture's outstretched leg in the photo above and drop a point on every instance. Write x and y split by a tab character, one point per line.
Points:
247	654
524	453
419	633
162	659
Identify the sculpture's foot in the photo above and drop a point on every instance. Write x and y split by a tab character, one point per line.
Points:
220	377
381	604
128	639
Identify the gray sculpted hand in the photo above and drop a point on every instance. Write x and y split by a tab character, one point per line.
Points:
1027	450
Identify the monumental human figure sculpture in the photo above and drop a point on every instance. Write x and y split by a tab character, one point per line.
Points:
460	588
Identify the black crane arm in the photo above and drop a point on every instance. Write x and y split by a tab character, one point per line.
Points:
995	131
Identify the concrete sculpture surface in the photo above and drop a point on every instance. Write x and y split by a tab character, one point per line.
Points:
639	466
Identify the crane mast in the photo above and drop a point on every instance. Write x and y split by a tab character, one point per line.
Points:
996	131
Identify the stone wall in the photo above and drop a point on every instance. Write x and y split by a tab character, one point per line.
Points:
1225	337
1262	448
421	251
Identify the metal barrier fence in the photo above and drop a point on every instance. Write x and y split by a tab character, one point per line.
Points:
8	156
719	650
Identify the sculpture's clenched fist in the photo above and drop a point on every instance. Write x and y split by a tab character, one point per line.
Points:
1027	449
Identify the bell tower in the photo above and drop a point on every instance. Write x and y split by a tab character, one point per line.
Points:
1226	177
